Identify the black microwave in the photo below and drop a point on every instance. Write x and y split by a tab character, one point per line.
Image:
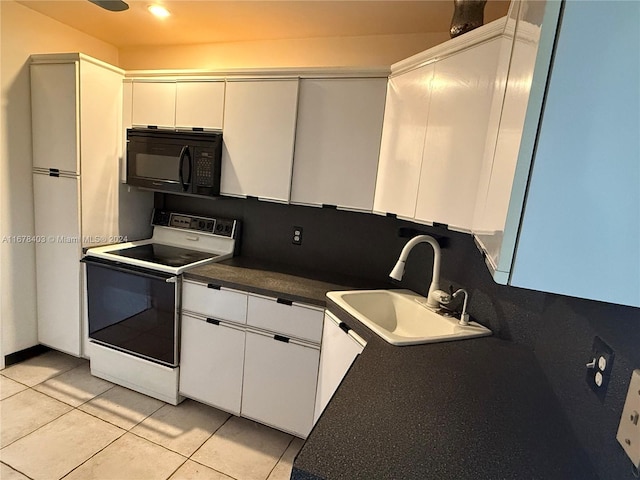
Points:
186	162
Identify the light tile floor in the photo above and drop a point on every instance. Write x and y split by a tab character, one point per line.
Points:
58	421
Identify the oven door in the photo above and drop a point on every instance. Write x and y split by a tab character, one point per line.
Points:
134	310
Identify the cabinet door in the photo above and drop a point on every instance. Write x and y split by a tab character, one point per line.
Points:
337	353
403	134
154	104
459	112
338	142
199	104
211	363
259	129
55	116
58	270
279	383
101	113
497	222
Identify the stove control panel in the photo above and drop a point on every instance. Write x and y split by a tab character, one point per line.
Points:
216	226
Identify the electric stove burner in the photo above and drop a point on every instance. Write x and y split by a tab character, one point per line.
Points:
164	254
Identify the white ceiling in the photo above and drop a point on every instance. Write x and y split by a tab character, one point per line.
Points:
211	21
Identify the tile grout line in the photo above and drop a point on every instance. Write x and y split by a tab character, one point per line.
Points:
211	468
280	458
44	424
188	457
15	469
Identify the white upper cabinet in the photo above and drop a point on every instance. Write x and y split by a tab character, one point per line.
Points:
55	116
462	95
258	140
438	115
154	104
338	141
403	133
176	103
199	104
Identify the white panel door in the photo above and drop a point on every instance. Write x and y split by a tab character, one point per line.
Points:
211	363
403	133
338	352
338	142
58	255
127	106
461	101
101	114
199	104
280	383
259	131
154	104
54	116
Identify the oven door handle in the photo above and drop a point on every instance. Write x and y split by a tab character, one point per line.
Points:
184	153
167	277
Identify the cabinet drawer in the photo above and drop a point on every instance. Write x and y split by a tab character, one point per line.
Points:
218	303
288	319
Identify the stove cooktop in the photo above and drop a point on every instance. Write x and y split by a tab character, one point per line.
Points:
164	254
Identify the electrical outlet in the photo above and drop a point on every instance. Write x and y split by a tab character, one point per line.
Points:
629	429
599	367
296	238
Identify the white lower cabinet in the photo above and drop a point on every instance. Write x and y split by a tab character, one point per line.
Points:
280	378
339	350
250	355
211	362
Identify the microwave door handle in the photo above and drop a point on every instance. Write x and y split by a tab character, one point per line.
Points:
184	154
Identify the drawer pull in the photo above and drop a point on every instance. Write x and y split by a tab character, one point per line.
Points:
344	327
213	286
281	338
213	321
284	302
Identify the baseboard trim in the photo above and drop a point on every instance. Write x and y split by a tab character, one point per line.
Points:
26	354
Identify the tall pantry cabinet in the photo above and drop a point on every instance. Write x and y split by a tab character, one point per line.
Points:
76	128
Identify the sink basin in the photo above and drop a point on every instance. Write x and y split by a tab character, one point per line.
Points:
400	317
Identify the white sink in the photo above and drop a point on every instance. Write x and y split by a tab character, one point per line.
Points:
400	317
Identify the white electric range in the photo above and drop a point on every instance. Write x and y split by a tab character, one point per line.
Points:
134	299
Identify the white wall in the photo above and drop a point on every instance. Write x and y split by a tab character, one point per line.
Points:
24	32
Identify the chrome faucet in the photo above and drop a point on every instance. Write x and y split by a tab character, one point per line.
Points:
435	297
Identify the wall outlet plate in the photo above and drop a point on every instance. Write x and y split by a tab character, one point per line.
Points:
599	371
629	429
296	237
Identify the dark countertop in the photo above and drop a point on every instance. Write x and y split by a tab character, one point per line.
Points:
478	409
274	279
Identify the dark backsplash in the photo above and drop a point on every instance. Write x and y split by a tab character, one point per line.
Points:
560	330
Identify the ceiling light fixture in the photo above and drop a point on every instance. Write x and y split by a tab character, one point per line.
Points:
159	11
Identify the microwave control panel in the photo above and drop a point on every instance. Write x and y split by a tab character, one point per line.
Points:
204	167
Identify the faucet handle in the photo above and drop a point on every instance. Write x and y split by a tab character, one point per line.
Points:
441	296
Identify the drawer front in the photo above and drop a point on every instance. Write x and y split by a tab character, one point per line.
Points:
290	320
221	304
